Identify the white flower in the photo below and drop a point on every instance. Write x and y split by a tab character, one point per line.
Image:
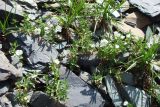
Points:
56	61
116	14
19	52
58	29
103	42
93	45
99	1
117	34
46	29
125	43
37	31
125	103
128	35
116	46
122	37
49	24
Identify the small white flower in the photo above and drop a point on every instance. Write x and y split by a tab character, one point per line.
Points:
58	29
99	1
49	24
46	28
128	35
122	37
19	52
37	31
56	61
117	34
116	14
103	42
93	45
116	46
125	103
125	43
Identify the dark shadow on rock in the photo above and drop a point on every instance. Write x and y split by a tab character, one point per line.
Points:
92	93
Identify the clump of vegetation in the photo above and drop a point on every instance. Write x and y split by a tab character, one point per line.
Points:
117	52
52	85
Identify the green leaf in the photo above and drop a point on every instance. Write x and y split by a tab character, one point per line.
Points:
131	66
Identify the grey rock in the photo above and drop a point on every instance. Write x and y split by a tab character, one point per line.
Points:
80	94
148	7
128	78
38	53
44	1
113	92
40	99
123	56
4	87
7	70
88	62
10	8
61	45
42	54
4	102
12	99
18	8
15	60
138	97
65	56
0	46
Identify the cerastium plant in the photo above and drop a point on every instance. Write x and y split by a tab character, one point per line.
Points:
53	85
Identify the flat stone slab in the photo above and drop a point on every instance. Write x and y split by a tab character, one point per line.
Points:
138	97
80	94
40	99
113	92
148	7
7	70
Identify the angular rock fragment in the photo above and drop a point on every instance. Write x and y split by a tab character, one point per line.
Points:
88	62
38	53
148	7
113	92
80	94
137	19
128	78
4	102
4	87
18	8
7	70
40	99
138	97
136	32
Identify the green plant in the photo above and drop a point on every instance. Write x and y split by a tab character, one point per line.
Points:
130	105
24	86
26	25
56	88
97	79
14	45
4	24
